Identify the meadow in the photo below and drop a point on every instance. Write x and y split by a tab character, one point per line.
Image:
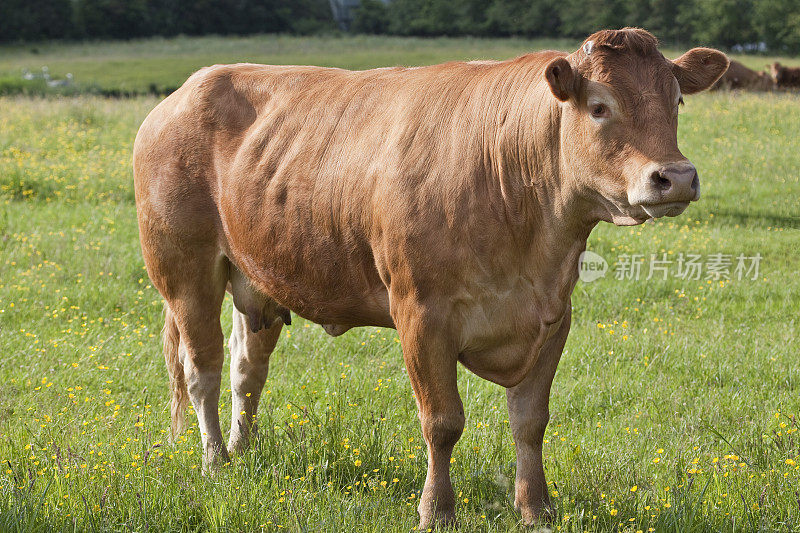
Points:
676	406
158	65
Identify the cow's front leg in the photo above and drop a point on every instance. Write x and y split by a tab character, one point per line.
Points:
529	414
431	360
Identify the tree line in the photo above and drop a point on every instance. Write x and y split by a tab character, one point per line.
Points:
31	20
756	24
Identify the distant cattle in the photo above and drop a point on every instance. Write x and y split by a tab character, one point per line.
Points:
451	202
785	77
739	76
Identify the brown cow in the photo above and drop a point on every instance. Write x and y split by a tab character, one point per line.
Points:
451	202
739	76
785	77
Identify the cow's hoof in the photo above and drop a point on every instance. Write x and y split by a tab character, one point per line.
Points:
539	528
237	448
211	465
438	521
537	518
239	445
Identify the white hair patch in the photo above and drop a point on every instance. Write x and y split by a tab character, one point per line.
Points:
588	46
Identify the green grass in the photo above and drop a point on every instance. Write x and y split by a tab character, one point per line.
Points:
687	390
158	65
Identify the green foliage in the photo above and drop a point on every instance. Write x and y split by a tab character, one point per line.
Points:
664	17
371	17
713	22
30	21
778	22
135	18
582	17
111	18
521	17
427	17
722	22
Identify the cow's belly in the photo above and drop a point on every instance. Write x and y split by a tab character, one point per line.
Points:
335	297
317	278
324	295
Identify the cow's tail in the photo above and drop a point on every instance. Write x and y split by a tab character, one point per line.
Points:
171	338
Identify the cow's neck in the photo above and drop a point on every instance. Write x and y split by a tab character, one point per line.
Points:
546	213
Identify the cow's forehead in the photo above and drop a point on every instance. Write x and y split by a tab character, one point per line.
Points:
632	75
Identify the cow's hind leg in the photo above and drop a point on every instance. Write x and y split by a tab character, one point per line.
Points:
250	353
202	352
192	280
528	410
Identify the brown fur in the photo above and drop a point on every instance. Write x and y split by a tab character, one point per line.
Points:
451	202
631	40
739	76
785	77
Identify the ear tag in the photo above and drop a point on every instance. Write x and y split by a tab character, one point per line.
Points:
588	46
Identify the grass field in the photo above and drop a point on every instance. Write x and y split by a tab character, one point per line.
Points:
158	65
675	408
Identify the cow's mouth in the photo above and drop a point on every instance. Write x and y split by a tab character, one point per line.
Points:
671	209
639	214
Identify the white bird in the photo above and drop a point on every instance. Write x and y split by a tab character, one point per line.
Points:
60	83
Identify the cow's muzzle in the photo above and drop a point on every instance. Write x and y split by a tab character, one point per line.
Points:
665	190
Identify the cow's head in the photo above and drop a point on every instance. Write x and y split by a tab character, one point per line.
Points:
620	119
775	70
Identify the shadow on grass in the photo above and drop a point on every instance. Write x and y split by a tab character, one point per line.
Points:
758	219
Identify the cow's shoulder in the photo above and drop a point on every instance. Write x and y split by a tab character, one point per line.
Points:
222	96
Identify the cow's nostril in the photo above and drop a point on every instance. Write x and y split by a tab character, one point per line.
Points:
695	182
660	181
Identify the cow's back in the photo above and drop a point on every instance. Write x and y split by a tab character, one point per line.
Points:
739	76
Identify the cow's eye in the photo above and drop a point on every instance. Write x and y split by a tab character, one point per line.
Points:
600	111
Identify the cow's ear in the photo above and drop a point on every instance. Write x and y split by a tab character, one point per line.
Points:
699	68
560	78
